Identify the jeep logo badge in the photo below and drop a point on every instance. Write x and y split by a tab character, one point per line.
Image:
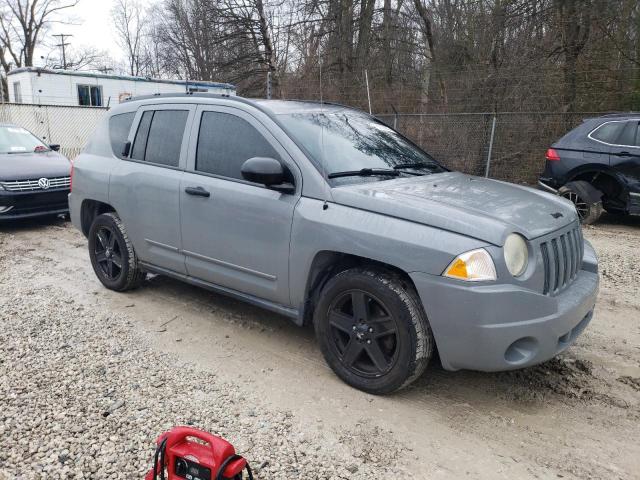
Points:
43	183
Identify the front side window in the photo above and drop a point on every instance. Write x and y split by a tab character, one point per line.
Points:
18	140
159	137
344	141
119	126
90	95
225	142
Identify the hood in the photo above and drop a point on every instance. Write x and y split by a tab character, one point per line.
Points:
31	166
482	208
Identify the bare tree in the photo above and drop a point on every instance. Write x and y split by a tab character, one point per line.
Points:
422	55
83	58
23	24
130	21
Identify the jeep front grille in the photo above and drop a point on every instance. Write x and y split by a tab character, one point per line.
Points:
562	258
28	185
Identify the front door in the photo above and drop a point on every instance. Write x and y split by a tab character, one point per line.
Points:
235	233
145	187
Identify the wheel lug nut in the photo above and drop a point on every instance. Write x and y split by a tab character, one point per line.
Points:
370	330
369	341
354	327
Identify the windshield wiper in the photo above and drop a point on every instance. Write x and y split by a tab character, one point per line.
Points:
365	172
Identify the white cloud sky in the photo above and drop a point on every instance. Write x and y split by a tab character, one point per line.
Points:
92	26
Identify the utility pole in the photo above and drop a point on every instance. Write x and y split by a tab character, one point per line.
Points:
63	44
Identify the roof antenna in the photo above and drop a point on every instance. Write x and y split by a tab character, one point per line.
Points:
325	205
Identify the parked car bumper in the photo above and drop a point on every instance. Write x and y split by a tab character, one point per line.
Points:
505	327
15	205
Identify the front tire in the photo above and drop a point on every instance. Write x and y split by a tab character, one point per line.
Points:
112	256
372	330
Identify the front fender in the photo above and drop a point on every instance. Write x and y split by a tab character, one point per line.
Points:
405	245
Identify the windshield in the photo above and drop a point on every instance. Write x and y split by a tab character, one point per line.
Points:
348	142
19	140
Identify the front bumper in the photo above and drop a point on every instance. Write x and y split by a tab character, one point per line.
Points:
33	203
504	327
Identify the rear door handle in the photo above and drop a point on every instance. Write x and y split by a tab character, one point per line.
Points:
623	154
197	191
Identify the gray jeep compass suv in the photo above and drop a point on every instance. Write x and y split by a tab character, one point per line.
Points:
326	215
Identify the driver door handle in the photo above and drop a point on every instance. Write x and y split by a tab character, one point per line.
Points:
197	191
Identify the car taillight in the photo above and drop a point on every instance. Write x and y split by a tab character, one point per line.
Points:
552	155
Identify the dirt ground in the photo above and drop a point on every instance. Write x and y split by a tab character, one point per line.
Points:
577	416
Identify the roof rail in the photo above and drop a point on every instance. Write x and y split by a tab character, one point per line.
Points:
180	95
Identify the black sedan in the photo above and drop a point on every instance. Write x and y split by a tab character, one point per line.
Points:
34	178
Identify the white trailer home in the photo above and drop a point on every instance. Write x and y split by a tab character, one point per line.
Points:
40	86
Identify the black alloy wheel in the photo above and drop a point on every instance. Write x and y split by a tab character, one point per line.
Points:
364	334
112	255
108	253
372	329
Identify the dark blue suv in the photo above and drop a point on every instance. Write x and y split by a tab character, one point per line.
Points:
597	166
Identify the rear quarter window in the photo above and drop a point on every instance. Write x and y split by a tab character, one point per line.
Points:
608	132
119	126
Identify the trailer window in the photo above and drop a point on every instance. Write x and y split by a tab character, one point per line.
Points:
90	95
17	92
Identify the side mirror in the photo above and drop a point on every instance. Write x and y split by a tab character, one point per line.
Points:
55	147
267	171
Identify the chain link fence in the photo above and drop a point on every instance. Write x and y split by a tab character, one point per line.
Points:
506	146
69	126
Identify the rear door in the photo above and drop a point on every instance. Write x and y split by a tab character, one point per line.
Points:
145	187
625	155
236	233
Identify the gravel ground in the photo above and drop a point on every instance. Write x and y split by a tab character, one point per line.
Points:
85	402
89	378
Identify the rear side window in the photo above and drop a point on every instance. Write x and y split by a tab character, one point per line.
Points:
629	135
608	132
159	137
225	142
119	126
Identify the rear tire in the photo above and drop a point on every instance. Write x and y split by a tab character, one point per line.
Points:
372	330
582	195
112	256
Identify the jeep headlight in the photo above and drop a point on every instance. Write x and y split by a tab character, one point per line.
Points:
474	266
516	254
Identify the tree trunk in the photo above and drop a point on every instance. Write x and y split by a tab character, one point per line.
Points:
364	33
386	42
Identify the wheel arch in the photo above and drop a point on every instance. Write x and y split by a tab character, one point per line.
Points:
328	263
89	210
603	178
